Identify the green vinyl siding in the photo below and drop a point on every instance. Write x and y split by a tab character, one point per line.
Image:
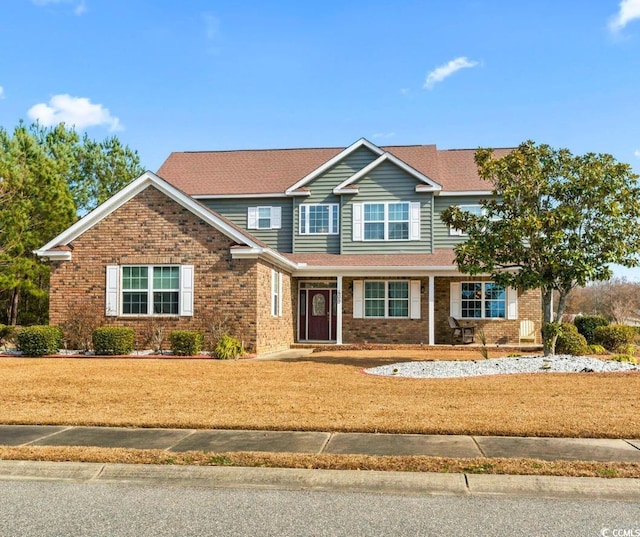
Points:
321	191
441	236
387	183
235	209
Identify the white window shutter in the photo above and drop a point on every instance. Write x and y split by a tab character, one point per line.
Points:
276	217
252	218
186	290
358	299
414	296
356	222
112	290
279	294
455	309
414	221
512	303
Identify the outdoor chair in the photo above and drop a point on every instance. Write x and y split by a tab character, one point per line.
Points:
527	332
465	334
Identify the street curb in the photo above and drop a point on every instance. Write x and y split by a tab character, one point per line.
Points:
402	483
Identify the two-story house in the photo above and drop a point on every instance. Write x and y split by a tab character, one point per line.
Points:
341	245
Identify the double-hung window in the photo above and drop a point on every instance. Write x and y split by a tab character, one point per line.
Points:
386	298
264	217
319	219
386	221
149	290
276	293
483	300
474	209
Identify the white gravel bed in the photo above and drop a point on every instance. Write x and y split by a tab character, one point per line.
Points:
524	364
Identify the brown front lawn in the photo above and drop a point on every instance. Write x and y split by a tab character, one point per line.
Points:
325	391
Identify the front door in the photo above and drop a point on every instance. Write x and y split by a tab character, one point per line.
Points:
318	314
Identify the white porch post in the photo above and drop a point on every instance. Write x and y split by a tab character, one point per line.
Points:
339	311
432	311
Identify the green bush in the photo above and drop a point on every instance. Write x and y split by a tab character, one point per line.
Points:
570	341
112	340
186	342
625	358
614	336
6	334
228	348
597	349
39	340
587	324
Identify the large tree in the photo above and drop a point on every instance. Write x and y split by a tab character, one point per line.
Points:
49	177
555	221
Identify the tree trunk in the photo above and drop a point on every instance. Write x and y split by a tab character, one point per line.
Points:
13	306
548	339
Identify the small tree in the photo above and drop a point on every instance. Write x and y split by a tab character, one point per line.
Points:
554	222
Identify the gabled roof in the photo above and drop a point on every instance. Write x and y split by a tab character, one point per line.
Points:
427	185
58	248
276	172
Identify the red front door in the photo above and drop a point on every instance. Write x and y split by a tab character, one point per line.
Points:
318	314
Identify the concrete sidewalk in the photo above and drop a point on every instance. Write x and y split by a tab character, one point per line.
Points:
457	446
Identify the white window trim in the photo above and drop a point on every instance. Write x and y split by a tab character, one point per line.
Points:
453	232
510	302
115	291
276	293
333	211
413	221
253	217
360	300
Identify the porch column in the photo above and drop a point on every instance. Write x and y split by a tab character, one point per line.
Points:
339	311
432	311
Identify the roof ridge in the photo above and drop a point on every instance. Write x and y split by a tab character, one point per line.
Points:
256	150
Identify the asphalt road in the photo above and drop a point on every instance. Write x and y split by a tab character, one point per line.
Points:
55	509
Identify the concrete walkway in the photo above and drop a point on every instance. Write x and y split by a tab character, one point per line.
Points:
457	446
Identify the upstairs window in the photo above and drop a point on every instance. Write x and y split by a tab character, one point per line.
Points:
264	217
388	221
319	219
473	209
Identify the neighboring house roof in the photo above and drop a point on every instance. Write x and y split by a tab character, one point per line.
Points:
276	171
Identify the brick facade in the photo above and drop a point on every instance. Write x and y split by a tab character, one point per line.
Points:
387	330
153	229
497	331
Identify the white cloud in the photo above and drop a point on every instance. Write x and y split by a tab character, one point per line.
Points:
211	25
383	135
637	153
442	72
1	92
78	111
405	91
629	10
80	6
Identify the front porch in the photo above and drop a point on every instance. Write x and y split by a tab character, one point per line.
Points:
386	309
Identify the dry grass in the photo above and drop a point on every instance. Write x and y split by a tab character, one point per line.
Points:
325	391
326	462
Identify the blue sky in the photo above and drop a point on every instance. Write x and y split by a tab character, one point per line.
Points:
171	76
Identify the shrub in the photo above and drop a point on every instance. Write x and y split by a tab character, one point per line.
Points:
625	358
186	342
6	334
39	340
615	335
570	341
79	327
587	324
597	349
228	348
111	340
